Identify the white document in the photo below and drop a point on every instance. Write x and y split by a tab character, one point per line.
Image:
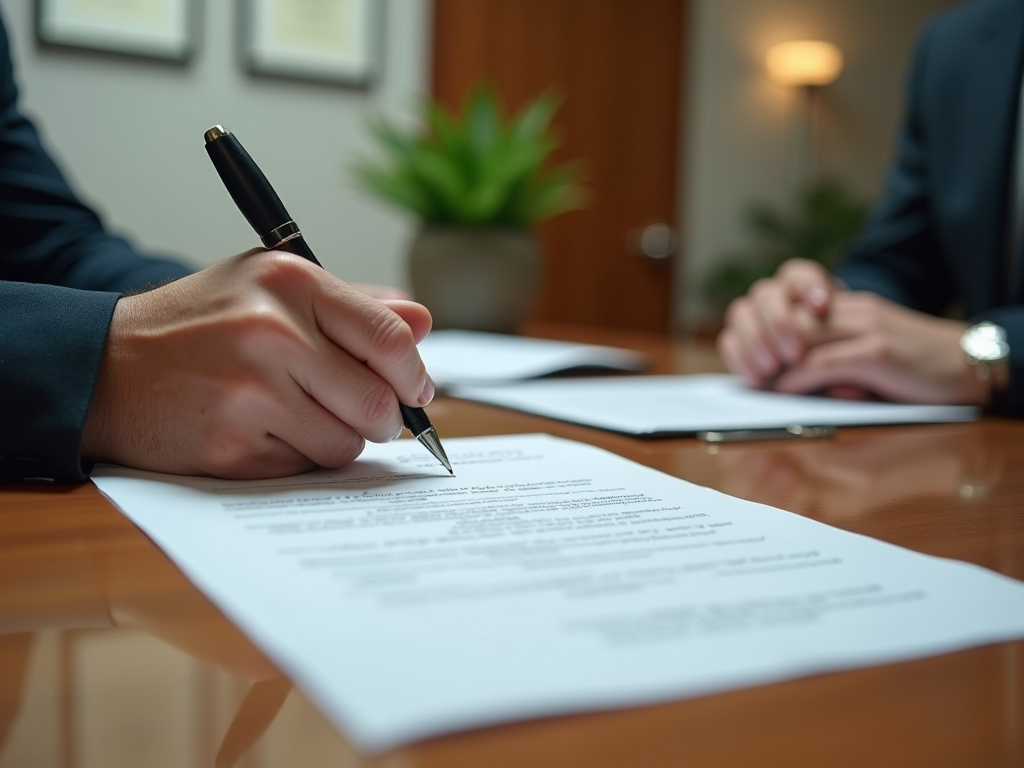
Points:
472	357
546	577
656	406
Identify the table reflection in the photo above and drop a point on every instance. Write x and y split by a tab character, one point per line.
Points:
97	599
840	480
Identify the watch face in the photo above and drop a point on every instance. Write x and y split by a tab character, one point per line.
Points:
985	342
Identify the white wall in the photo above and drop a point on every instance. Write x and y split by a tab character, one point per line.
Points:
129	132
740	142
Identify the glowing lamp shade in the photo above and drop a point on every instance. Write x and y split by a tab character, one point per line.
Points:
804	62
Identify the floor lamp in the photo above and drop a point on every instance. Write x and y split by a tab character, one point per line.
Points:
807	66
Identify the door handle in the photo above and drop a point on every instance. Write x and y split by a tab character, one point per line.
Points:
656	242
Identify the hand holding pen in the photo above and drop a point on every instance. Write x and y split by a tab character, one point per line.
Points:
262	365
263	209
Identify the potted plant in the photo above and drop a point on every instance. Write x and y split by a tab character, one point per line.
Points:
479	182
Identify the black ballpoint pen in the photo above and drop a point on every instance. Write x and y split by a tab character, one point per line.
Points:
261	206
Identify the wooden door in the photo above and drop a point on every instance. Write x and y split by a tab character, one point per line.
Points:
618	65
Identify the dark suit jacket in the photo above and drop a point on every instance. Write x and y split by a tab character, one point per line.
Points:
940	234
60	275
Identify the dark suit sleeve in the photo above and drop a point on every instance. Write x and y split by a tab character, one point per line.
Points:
49	359
910	251
897	255
61	274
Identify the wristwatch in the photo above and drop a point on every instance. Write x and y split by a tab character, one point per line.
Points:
988	353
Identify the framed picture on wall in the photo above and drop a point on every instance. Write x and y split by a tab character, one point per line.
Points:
162	29
335	41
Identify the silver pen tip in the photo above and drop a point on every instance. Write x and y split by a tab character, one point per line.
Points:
429	439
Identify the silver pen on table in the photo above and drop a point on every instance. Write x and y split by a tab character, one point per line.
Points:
769	433
261	206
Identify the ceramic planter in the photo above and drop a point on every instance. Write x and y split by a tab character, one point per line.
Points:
482	279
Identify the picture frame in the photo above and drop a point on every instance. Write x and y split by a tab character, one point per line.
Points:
159	29
330	41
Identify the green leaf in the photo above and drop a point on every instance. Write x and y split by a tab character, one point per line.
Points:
440	179
392	188
555	194
483	120
533	120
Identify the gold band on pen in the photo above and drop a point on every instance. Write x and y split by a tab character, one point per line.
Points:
275	237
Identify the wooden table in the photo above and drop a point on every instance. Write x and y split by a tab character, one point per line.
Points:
109	657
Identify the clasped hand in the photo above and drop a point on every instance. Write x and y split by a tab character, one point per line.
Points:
800	332
262	365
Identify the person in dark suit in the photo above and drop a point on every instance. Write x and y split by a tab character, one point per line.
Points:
262	365
944	242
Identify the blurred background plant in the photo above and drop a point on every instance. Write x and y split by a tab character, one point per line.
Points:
820	223
475	167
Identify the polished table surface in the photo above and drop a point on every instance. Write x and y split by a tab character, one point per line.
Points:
109	657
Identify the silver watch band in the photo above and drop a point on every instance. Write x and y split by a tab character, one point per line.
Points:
988	352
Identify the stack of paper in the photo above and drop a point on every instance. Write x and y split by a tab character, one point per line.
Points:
664	406
471	357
